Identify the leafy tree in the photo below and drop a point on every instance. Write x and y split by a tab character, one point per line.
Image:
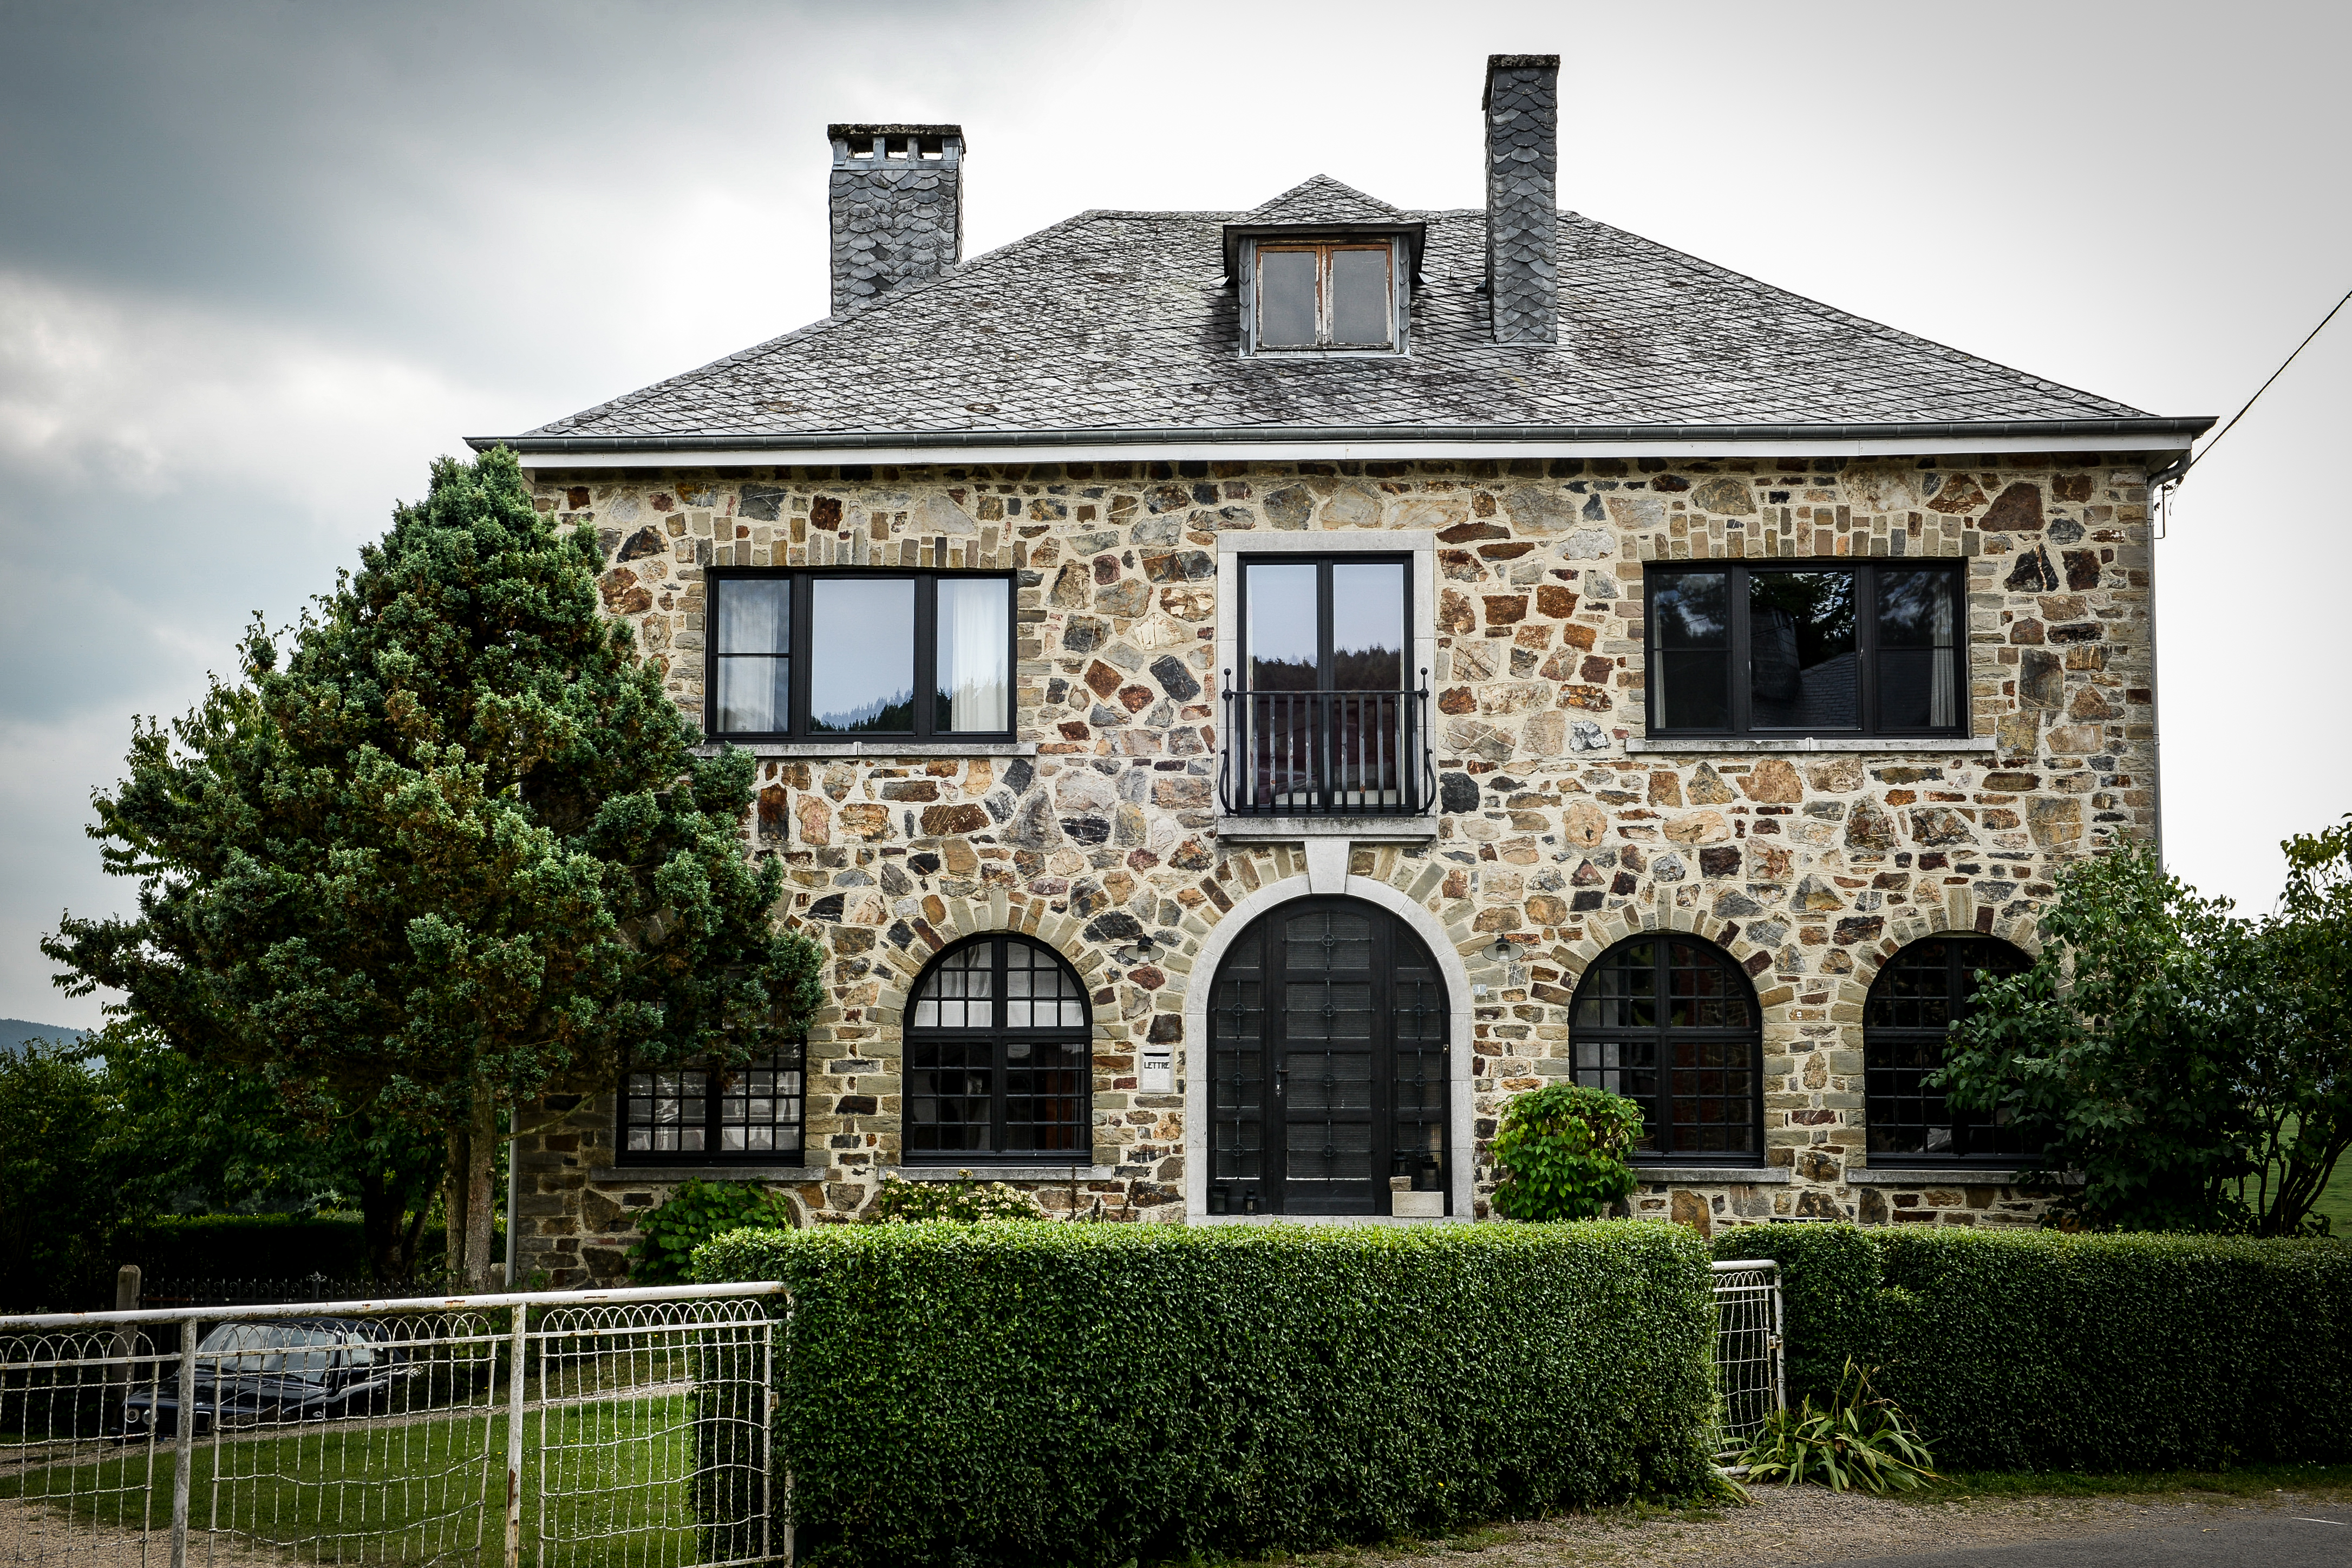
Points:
61	1208
1560	1150
451	849
2179	1060
232	1135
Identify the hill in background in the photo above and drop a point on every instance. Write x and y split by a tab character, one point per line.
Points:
15	1032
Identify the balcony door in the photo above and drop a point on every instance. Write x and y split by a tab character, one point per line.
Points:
1324	719
1327	1064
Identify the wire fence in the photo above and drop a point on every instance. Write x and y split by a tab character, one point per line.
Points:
1749	1359
586	1429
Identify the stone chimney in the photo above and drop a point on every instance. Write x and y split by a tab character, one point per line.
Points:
897	201
1522	105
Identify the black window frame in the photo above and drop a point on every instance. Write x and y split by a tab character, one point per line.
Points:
1740	655
794	1053
926	663
1399	270
1878	1084
997	1036
1322	562
1664	1033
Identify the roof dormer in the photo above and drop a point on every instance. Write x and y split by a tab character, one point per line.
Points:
1323	269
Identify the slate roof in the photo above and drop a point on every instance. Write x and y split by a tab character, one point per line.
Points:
1124	321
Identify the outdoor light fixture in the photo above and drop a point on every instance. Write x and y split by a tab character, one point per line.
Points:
1502	951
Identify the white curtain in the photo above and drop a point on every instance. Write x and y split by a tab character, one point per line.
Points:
1944	694
752	620
975	630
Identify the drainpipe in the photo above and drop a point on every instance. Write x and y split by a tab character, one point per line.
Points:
514	1225
2166	474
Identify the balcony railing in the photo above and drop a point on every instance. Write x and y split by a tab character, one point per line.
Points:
1327	754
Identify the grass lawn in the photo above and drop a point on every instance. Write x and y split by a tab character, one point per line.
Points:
2243	1481
602	1484
2335	1200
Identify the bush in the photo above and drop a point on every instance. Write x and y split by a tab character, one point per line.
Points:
1561	1151
692	1216
964	1201
2034	1350
1032	1392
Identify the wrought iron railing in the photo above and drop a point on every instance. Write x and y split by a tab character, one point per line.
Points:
1327	754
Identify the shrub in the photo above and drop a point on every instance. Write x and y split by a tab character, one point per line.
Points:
1043	1393
964	1201
692	1216
2041	1351
1561	1151
1859	1438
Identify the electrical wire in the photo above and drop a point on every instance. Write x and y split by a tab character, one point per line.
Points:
2265	386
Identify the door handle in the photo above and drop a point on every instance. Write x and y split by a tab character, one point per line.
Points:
1281	1081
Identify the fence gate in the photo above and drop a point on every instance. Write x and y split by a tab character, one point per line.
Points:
581	1429
1748	1350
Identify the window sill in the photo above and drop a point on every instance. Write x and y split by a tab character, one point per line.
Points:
1946	1176
1731	1175
1730	745
986	1173
884	748
1368	829
608	1175
1325	1220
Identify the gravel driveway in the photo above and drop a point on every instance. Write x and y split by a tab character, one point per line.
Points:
1812	1524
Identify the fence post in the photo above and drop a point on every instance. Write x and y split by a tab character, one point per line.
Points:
518	1360
126	1341
183	1442
1780	1347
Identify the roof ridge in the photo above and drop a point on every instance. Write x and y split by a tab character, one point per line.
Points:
1699	263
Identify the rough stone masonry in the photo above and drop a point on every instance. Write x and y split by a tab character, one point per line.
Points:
1808	868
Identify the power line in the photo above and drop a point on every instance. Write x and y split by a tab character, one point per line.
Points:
2265	386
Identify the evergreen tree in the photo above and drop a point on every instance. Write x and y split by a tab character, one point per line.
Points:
453	849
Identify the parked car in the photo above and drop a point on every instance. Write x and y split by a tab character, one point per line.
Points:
292	1369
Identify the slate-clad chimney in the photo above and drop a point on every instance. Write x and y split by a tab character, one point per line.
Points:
898	206
1522	105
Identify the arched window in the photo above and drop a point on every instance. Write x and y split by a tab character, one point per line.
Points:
997	1059
1921	993
1670	1022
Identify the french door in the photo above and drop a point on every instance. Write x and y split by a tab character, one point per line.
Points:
1327	1064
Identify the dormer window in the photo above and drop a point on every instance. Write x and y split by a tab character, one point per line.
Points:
1323	294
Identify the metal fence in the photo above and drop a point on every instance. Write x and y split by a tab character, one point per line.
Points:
582	1429
1748	1361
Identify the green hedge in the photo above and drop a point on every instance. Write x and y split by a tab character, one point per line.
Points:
1026	1393
2038	1351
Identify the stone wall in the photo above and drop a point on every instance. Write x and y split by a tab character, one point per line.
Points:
1562	830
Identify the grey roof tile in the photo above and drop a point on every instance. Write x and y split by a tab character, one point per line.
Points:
1123	321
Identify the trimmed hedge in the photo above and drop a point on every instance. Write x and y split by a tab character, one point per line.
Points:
2033	1350
1032	1392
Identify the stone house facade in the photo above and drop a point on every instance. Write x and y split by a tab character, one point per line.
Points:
1702	752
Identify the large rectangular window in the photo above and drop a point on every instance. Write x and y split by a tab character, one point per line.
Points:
749	1114
1808	648
808	654
1322	720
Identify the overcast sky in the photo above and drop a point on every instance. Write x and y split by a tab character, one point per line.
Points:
259	263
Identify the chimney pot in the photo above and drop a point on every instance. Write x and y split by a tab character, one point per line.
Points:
896	206
1522	106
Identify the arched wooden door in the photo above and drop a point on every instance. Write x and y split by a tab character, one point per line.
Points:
1327	1064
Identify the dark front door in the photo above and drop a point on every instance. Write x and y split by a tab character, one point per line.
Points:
1328	1063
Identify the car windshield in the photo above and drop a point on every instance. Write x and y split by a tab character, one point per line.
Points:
288	1348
